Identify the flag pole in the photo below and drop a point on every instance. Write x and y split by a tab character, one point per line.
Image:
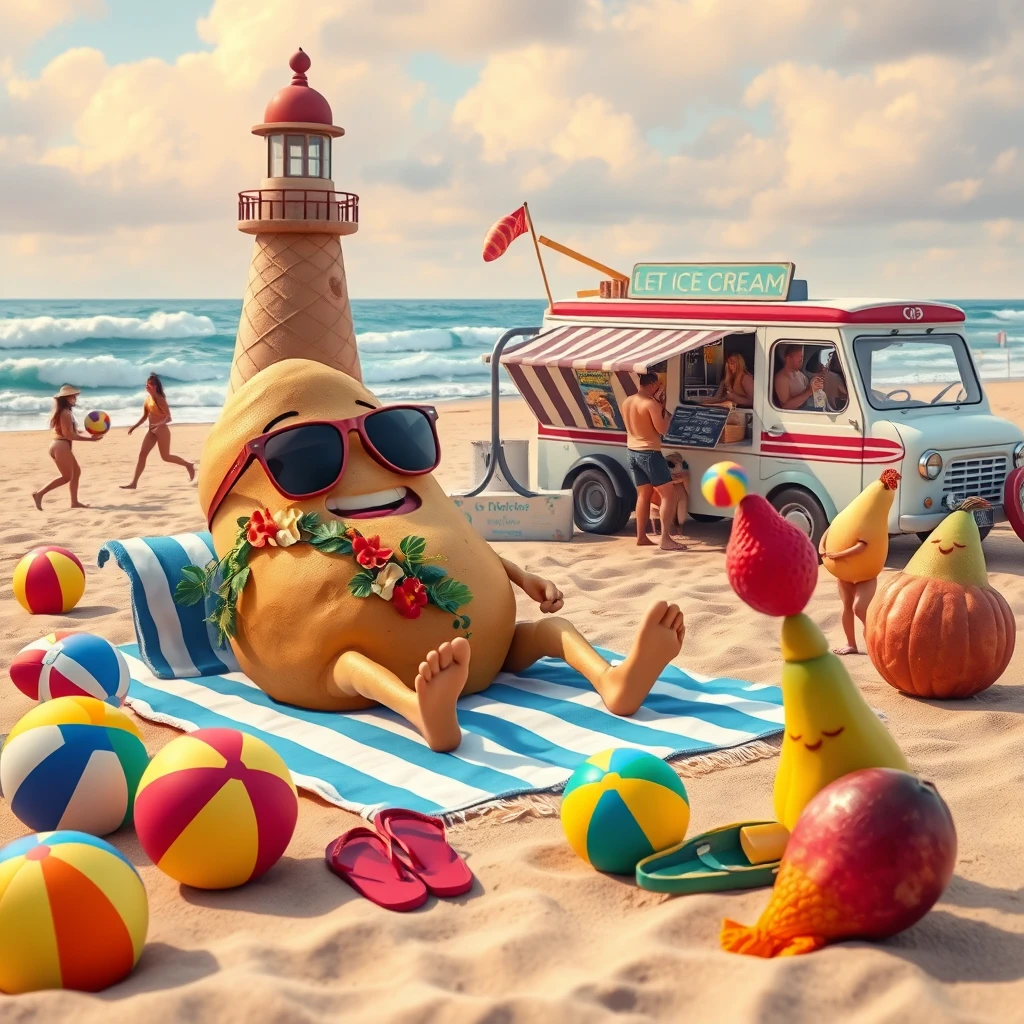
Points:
543	272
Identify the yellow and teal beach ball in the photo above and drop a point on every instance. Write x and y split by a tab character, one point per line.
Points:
724	484
623	805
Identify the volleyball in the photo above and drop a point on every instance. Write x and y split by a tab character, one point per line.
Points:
623	805
49	581
97	422
28	662
724	484
73	914
216	808
73	763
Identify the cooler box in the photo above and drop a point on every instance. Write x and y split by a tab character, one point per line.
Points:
500	515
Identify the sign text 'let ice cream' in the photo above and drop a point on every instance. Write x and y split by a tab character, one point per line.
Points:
764	282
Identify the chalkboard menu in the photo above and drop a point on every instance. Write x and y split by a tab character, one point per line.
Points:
696	426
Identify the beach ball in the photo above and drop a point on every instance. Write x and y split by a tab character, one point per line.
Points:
724	484
49	581
28	662
71	665
97	422
623	805
73	762
73	914
216	808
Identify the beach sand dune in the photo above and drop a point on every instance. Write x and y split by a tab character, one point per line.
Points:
542	937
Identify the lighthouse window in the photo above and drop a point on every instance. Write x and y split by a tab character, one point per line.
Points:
313	156
276	153
296	155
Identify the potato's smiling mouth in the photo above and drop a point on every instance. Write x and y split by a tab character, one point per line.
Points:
395	501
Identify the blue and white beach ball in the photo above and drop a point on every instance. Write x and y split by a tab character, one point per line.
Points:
84	665
73	763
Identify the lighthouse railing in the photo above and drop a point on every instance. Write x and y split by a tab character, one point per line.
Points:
270	204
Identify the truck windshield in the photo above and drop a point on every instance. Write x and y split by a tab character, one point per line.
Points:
917	372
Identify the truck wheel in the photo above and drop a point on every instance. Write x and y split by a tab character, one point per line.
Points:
803	510
703	517
595	505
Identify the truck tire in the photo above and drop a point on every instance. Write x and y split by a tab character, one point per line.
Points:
595	505
803	510
703	517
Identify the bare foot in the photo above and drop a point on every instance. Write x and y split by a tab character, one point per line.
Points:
848	649
191	471
644	542
79	504
658	641
668	544
438	686
128	487
38	499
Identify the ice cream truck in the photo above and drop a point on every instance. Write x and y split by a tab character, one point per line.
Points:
814	399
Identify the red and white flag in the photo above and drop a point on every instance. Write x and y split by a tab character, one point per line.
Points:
501	235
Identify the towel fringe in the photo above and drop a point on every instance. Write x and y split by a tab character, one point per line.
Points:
548	804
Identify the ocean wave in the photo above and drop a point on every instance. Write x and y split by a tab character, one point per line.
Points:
52	332
202	396
432	339
1008	315
422	364
102	371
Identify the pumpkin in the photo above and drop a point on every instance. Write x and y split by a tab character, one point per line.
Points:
938	629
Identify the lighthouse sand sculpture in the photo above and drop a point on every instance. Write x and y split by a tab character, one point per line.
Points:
346	576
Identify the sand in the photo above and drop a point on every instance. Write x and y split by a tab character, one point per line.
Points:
542	937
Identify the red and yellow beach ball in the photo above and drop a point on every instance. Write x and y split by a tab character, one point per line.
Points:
73	914
216	808
97	422
49	581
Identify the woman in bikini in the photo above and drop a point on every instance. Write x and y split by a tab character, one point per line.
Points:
737	386
158	433
65	432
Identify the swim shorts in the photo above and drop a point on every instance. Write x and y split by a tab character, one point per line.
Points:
649	468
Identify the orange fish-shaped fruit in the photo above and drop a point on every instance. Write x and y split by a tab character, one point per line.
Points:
869	857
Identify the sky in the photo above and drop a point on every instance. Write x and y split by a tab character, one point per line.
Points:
878	144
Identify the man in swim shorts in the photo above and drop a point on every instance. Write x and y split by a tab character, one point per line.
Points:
646	420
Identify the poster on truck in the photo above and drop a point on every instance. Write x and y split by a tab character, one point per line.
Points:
599	399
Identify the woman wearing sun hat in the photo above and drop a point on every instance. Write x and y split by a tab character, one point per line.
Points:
65	433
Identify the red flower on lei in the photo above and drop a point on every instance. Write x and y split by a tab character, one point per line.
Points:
409	598
369	554
261	528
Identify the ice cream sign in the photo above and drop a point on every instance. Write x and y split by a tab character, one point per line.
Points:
764	282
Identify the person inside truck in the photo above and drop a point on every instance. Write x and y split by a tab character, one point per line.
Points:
793	388
737	386
835	381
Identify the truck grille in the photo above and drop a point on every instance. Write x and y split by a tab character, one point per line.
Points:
977	478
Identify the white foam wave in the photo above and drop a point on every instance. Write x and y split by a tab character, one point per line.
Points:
1008	314
195	396
52	332
105	371
428	339
422	364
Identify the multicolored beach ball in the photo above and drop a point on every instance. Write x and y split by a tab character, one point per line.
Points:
623	805
28	662
216	809
68	664
97	422
73	914
724	484
49	581
73	762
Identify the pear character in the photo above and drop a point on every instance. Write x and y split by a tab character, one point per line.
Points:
854	549
829	729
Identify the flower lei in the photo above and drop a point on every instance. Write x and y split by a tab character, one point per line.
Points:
405	577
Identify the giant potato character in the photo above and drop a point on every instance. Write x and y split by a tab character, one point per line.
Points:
365	585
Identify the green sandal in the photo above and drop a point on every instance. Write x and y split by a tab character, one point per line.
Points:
711	862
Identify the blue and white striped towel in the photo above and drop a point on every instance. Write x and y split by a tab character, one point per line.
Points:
526	733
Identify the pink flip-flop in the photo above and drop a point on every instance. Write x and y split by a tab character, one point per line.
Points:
368	861
422	840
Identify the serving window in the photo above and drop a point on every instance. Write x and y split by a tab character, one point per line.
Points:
808	377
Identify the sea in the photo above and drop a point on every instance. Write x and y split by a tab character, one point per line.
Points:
410	350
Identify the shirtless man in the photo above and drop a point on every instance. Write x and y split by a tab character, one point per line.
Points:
792	388
646	420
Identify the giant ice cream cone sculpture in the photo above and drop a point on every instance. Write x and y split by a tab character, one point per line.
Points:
296	303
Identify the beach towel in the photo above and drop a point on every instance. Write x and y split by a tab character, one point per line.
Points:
525	734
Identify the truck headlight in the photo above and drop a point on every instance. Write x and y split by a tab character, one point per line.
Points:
1018	456
930	465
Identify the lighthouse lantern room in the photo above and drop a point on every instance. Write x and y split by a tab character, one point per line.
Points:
296	303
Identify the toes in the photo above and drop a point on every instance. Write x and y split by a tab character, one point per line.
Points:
460	650
657	611
426	673
669	617
444	655
434	661
421	680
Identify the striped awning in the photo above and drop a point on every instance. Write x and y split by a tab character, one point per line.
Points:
630	349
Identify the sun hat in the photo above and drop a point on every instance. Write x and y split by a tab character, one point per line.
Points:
66	391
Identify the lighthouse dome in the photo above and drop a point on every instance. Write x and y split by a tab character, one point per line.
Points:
298	102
